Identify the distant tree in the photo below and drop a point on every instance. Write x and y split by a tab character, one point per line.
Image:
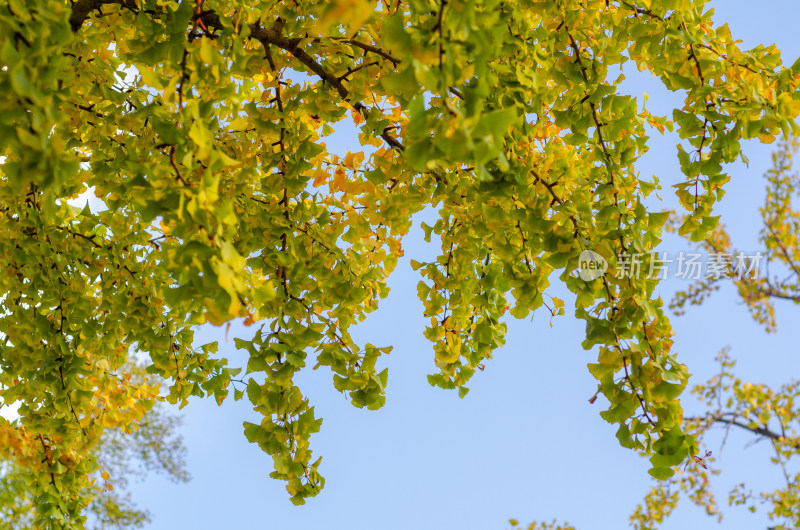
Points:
768	414
151	446
201	128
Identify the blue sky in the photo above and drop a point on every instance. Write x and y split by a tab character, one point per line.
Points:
525	443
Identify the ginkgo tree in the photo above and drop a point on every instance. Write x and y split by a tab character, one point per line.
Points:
201	127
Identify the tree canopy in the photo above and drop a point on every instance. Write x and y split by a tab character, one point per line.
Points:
201	128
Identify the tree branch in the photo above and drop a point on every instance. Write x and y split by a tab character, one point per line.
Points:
270	36
761	430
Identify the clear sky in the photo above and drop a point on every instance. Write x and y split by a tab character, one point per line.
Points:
525	443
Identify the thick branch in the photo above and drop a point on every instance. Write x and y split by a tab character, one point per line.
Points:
82	8
271	36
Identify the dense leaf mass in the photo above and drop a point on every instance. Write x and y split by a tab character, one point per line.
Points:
200	127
